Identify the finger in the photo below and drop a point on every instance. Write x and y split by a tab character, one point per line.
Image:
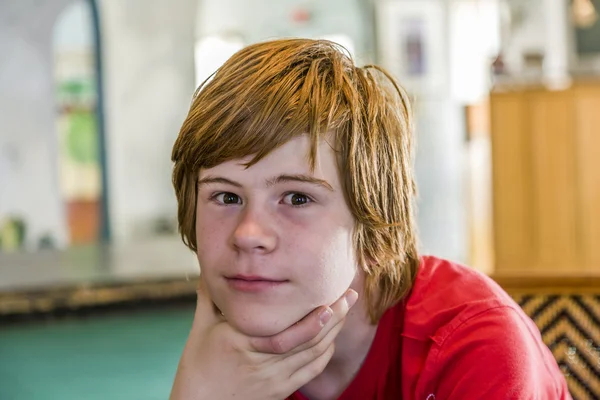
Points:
308	330
312	369
299	378
302	331
340	310
206	315
296	361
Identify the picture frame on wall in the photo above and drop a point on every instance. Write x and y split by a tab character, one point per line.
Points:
410	43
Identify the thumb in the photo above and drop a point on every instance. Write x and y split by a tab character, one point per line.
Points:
207	314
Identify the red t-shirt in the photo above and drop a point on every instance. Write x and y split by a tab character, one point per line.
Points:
457	335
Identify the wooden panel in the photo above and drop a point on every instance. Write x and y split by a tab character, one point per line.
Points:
587	111
546	179
513	237
554	184
549	283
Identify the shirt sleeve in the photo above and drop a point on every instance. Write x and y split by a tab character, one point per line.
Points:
497	354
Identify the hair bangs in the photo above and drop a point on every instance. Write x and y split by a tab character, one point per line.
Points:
250	110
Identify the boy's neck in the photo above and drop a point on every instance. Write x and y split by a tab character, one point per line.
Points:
351	348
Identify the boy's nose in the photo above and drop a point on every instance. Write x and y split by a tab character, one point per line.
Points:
253	233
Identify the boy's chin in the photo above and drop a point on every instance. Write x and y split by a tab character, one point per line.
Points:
260	326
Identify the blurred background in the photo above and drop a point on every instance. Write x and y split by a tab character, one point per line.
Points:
96	288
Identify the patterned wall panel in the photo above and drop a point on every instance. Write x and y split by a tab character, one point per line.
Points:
570	326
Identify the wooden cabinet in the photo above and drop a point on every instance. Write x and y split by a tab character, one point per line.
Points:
546	179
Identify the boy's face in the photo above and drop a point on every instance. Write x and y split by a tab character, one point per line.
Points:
275	240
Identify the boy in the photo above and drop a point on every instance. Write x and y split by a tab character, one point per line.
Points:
293	174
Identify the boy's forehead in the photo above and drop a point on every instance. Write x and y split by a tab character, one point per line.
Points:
273	166
293	157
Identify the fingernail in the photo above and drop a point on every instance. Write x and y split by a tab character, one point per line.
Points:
325	316
351	297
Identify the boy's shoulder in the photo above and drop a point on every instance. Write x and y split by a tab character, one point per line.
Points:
447	293
466	338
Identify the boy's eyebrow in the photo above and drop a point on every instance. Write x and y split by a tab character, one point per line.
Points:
280	179
217	179
300	178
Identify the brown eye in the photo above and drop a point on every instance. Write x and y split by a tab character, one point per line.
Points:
297	199
228	198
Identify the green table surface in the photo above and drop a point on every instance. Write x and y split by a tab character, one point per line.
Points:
129	355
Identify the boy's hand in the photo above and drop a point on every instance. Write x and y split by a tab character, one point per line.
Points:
218	362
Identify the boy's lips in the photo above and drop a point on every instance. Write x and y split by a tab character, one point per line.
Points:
253	283
254	278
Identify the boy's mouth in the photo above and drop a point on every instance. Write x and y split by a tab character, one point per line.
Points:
254	278
253	283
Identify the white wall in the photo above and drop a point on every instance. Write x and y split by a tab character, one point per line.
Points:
148	84
259	20
527	34
545	28
474	41
439	126
440	173
28	140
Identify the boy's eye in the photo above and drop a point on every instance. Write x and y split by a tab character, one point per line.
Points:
297	199
228	198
